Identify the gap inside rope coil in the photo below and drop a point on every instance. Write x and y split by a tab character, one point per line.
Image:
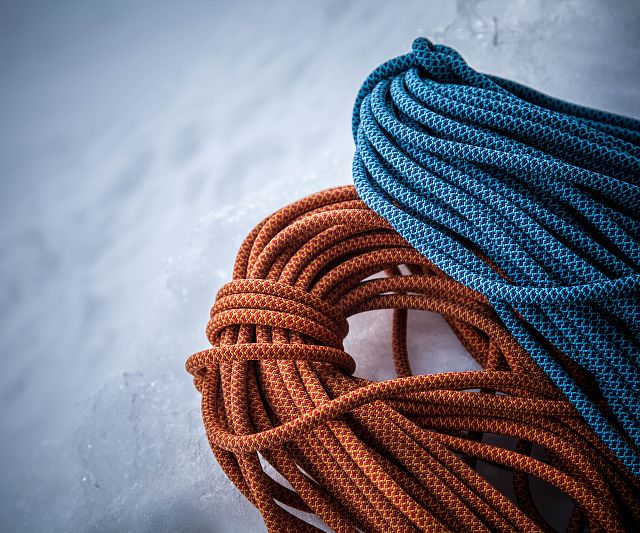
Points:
398	455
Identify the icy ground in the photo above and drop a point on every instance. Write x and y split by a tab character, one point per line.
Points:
139	143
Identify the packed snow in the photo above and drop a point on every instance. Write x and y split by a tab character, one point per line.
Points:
139	143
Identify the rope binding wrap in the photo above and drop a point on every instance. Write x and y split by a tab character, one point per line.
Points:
529	200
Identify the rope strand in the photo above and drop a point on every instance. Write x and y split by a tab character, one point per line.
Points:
399	455
529	200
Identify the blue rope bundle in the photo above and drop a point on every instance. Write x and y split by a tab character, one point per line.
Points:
530	200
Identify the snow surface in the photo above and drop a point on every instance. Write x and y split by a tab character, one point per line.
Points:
139	143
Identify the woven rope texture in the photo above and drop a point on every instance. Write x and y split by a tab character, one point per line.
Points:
547	192
399	455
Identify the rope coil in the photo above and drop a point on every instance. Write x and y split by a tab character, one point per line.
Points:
398	455
529	200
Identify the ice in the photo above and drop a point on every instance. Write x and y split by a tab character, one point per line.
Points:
139	143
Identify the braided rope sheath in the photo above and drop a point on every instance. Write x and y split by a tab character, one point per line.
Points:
398	455
548	191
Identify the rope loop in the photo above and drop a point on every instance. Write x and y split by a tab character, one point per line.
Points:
433	61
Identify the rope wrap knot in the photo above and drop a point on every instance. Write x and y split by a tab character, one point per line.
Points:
267	303
277	305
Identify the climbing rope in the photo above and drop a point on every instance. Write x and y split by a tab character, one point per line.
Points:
400	455
529	200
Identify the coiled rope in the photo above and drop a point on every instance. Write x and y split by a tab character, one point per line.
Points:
469	167
398	455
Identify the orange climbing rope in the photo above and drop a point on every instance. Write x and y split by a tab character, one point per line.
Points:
398	455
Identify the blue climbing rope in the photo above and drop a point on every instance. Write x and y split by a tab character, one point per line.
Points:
461	162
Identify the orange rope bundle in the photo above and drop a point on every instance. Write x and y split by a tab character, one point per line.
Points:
398	455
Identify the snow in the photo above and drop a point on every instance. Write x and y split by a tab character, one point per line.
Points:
139	143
